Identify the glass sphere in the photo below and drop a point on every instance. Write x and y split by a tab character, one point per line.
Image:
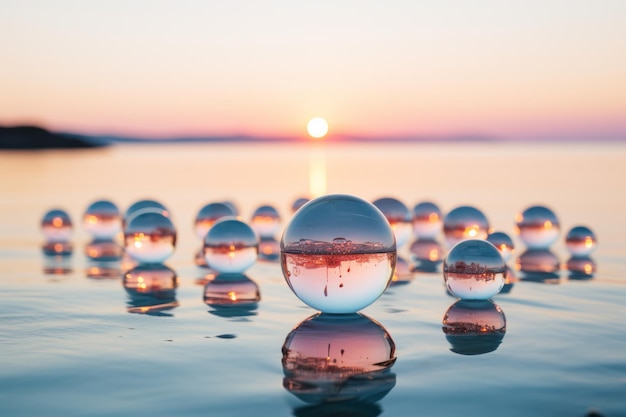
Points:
474	327
328	359
231	246
399	217
150	237
538	227
102	219
338	253
427	220
503	242
426	254
299	202
269	249
580	241
465	222
56	226
145	205
208	215
474	270
266	221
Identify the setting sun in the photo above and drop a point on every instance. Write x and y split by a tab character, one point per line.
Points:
317	127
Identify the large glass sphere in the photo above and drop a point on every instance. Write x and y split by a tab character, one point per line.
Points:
465	222
150	237
503	242
338	253
56	226
231	246
266	221
399	217
427	220
538	227
474	270
209	214
580	241
102	219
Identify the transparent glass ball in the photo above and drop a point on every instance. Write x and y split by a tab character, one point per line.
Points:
426	254
145	205
580	241
538	227
465	222
266	221
56	226
474	327
102	219
504	243
427	220
474	270
338	253
150	237
209	214
231	246
399	217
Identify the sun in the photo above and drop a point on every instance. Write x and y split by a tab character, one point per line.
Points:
317	127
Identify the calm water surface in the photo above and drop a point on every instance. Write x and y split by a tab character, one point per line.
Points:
75	342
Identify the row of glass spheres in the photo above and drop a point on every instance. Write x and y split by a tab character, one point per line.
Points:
330	240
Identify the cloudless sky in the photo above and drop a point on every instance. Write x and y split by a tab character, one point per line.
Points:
516	69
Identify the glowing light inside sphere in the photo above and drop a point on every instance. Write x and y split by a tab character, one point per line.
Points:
317	127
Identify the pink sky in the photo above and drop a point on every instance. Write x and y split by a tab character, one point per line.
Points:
524	69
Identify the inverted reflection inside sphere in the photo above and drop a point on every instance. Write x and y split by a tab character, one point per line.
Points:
474	270
474	327
465	222
338	253
538	227
580	241
399	217
231	246
327	359
504	243
209	214
102	219
427	220
56	226
150	237
266	221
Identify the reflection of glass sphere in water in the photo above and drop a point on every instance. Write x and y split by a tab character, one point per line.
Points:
399	217
266	221
103	250
426	254
581	267
465	222
102	219
299	202
427	220
329	358
538	263
269	249
234	290
150	237
231	246
338	253
402	273
57	248
56	226
503	242
474	270
538	227
474	327
580	241
151	288
208	215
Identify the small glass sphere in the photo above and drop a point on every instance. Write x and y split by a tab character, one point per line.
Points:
580	241
102	219
56	226
504	243
150	237
299	202
231	246
474	327
338	253
209	214
145	205
474	270
427	220
266	221
426	254
399	217
538	227
465	222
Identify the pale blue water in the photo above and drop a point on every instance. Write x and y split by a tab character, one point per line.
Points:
70	344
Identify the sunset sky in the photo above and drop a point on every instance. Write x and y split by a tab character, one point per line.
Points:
512	69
